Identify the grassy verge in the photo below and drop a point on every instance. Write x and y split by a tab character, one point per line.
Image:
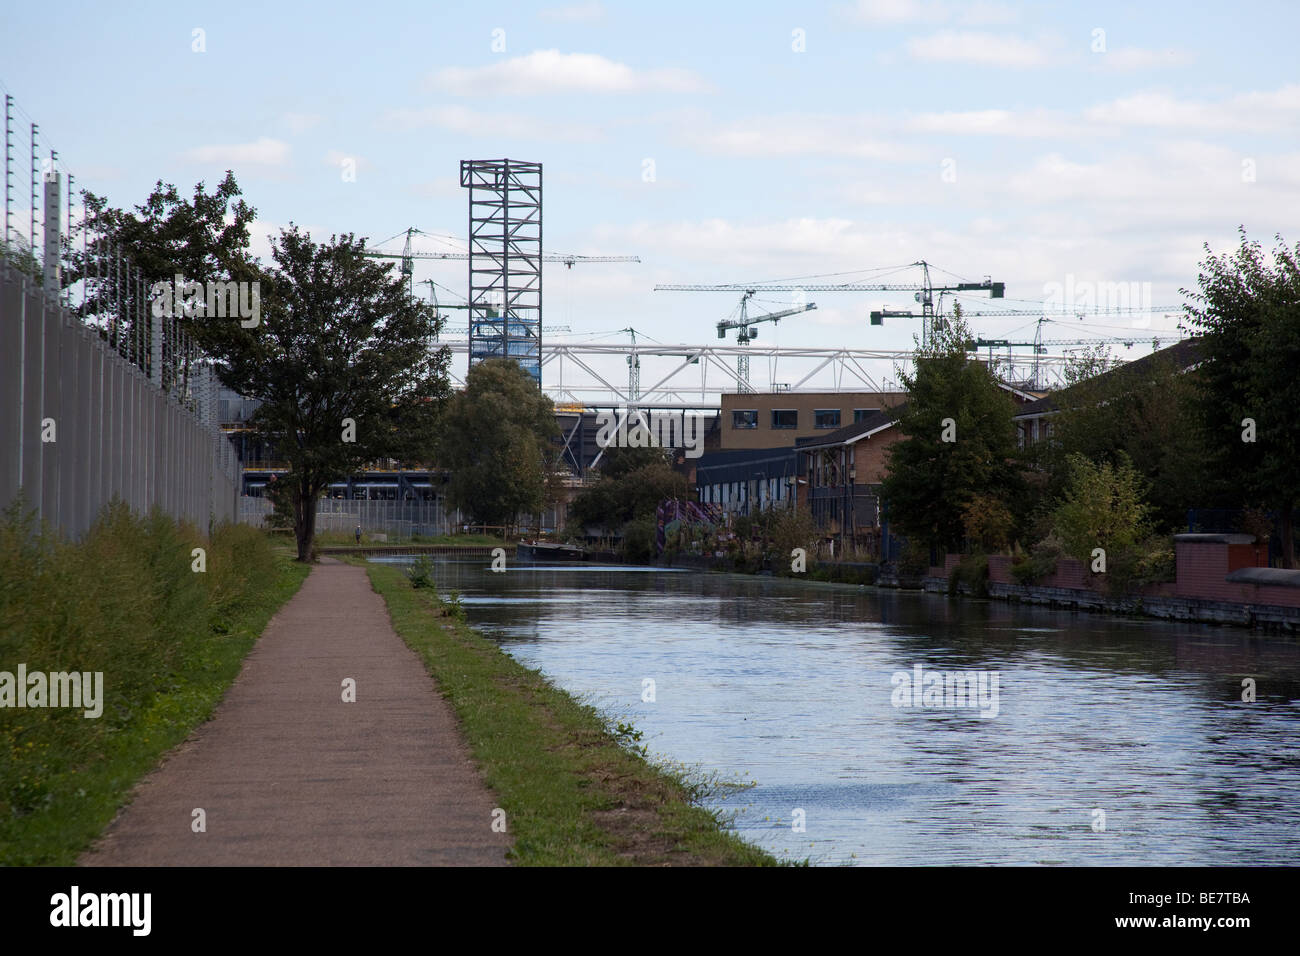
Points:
125	601
572	793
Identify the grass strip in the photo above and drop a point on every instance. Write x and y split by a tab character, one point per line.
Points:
125	601
573	794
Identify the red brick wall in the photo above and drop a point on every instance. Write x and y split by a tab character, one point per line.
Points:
871	457
1202	568
1246	556
1286	597
1070	573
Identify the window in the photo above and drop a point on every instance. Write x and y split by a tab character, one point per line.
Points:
785	418
826	418
744	418
861	413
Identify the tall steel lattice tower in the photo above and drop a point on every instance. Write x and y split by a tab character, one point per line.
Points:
505	261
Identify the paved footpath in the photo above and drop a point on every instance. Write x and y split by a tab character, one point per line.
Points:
290	775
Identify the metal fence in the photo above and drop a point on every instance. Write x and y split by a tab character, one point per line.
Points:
80	424
99	397
399	520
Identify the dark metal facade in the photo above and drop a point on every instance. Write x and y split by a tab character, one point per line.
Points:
505	261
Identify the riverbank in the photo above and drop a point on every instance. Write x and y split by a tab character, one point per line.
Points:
1164	608
573	794
130	603
1163	603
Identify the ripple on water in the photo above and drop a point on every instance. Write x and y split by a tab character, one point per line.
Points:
791	687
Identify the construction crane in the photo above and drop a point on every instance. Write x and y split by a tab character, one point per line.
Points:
1039	344
747	331
407	257
925	291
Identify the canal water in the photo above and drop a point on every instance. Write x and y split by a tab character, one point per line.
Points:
1091	740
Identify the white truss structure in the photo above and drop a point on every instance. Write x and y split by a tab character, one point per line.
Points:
695	376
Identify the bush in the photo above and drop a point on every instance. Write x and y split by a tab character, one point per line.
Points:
988	522
1039	562
639	540
420	572
915	559
973	572
1103	507
1135	566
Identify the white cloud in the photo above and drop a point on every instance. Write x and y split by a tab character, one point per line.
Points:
1274	110
459	119
263	152
1258	111
1183	185
987	49
260	234
550	71
575	13
1022	123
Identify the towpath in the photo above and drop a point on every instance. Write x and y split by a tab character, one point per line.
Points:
289	774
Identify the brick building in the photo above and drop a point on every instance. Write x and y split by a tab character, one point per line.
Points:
772	419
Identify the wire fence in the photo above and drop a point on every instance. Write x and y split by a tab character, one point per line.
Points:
99	396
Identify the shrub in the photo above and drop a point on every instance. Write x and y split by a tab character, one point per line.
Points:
973	572
420	572
1039	562
988	522
1132	567
639	540
915	559
1103	507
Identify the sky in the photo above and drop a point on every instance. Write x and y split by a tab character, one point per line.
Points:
1056	147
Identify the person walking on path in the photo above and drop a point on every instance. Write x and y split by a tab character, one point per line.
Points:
358	534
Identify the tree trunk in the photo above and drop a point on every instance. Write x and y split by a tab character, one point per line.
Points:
1288	536
304	521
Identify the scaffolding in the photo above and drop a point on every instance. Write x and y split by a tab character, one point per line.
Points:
505	261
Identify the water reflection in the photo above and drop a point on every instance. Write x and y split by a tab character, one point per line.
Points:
789	684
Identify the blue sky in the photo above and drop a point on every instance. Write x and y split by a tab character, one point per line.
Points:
1001	139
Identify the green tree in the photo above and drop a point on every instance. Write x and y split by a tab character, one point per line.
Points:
632	483
1088	362
1104	507
205	238
340	364
959	441
1144	412
496	441
1247	320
